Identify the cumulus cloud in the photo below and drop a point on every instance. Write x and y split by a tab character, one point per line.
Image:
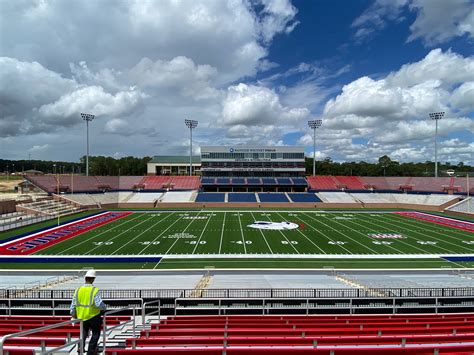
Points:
227	35
437	21
256	105
391	113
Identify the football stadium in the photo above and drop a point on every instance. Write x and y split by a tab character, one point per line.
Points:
260	261
237	177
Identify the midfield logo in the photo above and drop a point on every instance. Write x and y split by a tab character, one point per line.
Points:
386	236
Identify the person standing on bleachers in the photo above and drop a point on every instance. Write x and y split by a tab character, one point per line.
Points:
87	305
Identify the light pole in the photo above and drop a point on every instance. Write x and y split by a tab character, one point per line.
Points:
436	116
191	124
313	124
87	117
54	169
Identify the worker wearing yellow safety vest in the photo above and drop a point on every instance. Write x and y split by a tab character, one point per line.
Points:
87	305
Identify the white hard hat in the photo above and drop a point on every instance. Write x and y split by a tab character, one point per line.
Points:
90	273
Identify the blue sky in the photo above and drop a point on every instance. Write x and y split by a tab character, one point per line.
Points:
250	72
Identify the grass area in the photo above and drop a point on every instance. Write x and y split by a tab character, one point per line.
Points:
218	232
10	177
70	266
45	224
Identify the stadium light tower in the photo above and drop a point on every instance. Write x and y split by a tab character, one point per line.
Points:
191	124
436	116
313	124
87	117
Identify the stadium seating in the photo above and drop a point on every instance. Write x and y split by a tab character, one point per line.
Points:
303	197
322	183
49	338
378	334
269	181
173	182
284	181
272	197
210	197
178	196
223	181
254	181
336	197
299	181
241	197
145	197
208	181
239	181
350	182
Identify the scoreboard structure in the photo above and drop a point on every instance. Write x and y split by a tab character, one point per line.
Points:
248	161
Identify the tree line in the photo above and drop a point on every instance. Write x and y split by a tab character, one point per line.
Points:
101	165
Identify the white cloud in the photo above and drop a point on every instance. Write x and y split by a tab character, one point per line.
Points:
180	74
463	97
437	21
92	99
255	105
224	34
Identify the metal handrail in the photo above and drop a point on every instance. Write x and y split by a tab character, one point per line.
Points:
48	327
104	324
144	314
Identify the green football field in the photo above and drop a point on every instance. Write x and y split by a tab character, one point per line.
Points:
227	234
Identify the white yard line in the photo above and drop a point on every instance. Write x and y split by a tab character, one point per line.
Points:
284	236
263	235
222	233
242	233
99	234
202	232
159	236
344	235
324	235
146	230
118	235
304	235
398	240
172	245
439	239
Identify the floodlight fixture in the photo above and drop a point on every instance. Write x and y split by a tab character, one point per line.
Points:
314	124
87	117
436	116
191	124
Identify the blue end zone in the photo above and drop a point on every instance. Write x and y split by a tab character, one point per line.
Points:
81	259
458	258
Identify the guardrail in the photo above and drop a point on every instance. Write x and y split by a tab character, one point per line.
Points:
104	324
69	340
251	293
144	314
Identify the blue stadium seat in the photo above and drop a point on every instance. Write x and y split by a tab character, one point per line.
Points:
284	181
207	181
254	181
272	197
304	197
241	197
238	181
223	181
300	181
269	181
210	197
